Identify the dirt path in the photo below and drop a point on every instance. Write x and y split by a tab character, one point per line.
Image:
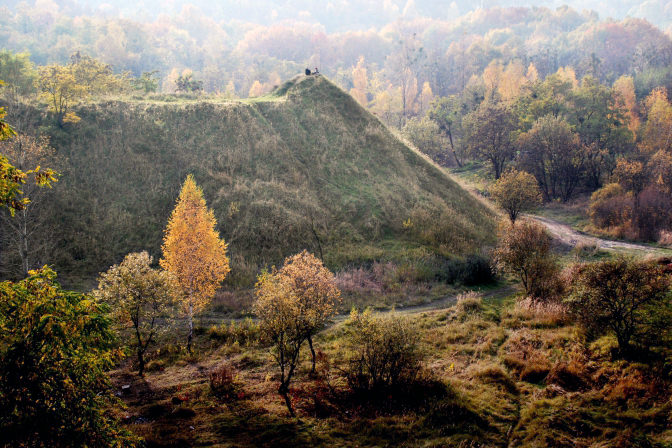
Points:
573	238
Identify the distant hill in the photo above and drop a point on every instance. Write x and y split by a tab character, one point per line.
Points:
303	167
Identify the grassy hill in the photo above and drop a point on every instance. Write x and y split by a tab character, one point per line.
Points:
303	167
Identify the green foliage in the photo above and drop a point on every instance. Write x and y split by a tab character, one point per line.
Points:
554	155
18	72
186	83
630	299
424	134
489	134
516	192
448	113
55	347
148	82
383	351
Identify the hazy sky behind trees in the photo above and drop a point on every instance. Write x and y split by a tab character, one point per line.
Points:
340	15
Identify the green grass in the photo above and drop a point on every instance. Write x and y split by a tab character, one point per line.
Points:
300	167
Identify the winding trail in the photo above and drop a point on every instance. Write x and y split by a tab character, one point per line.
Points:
571	237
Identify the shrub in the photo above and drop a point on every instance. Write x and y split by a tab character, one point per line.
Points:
55	349
222	380
628	298
665	238
140	296
477	271
610	207
383	351
525	250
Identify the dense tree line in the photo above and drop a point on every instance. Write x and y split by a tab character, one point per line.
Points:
230	57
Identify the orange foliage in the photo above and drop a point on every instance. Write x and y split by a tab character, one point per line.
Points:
193	251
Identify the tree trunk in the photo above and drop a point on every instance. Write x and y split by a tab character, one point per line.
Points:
312	352
284	391
191	326
24	242
141	363
452	147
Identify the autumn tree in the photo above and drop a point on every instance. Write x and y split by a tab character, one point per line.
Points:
293	305
515	192
139	296
360	82
626	100
61	91
256	90
12	179
403	65
56	347
315	287
525	251
489	134
554	155
657	135
64	86
193	251
279	314
628	298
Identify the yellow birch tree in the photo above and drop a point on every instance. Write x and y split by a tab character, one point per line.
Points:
193	251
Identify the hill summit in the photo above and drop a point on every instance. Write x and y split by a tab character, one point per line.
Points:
302	167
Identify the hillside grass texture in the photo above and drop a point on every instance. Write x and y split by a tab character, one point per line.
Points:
302	167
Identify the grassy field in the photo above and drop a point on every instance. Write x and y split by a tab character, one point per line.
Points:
302	167
495	374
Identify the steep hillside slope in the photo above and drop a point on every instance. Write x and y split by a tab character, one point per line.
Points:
304	167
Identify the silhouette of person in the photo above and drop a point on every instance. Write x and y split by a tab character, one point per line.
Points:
307	72
316	71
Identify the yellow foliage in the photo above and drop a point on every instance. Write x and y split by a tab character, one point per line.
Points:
658	130
360	81
192	249
624	92
302	295
256	90
292	305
